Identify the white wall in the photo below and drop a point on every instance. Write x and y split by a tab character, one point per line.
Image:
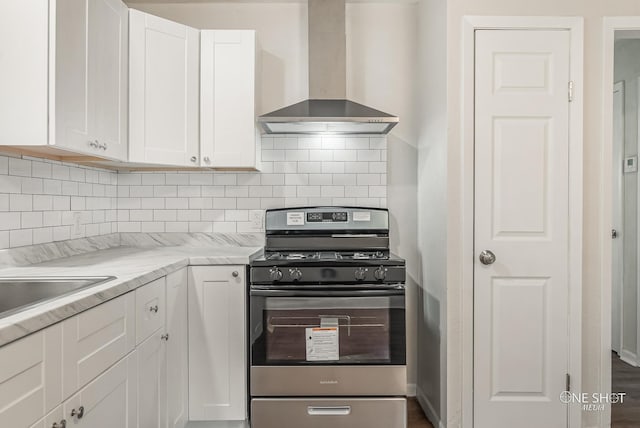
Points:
627	69
381	71
593	235
432	209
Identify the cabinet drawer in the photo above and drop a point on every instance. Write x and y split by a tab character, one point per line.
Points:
334	413
150	309
30	377
95	340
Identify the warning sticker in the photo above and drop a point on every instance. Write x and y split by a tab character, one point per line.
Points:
322	344
295	219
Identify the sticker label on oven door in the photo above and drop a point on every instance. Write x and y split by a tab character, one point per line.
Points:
322	344
295	219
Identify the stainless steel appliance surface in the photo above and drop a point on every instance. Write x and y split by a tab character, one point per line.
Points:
327	321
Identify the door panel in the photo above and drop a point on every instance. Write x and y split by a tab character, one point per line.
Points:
164	85
177	344
521	215
217	349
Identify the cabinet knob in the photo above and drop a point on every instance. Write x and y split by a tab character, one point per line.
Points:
165	337
62	424
153	309
79	413
206	159
193	158
235	274
93	144
104	146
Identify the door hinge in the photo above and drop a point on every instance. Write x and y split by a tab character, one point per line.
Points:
570	90
568	386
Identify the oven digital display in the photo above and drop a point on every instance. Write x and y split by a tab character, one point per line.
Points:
328	217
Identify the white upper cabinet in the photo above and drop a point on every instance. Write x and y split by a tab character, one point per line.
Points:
163	91
64	79
228	137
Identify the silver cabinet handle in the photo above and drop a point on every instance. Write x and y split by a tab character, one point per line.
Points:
487	257
104	146
79	413
153	309
235	274
206	159
62	424
93	144
328	411
165	337
193	158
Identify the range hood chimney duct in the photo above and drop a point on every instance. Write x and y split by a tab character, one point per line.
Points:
327	50
327	111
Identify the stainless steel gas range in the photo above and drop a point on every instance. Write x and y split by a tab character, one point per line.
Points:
327	322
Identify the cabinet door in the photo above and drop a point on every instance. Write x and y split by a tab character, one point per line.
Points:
108	38
150	309
24	107
108	401
72	79
53	420
176	348
152	373
96	339
163	97
30	377
217	355
90	73
228	130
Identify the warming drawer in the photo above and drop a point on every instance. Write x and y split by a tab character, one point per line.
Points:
325	412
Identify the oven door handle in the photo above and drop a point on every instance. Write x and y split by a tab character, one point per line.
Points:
327	293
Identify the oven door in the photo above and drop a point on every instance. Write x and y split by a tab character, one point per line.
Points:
327	342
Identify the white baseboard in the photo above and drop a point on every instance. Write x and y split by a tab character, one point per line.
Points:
429	411
411	390
629	358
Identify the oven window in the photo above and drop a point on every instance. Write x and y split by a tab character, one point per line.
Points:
328	330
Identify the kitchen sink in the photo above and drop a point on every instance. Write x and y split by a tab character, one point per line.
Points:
20	293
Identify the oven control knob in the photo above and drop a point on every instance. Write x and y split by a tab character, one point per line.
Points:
295	274
361	274
380	273
275	274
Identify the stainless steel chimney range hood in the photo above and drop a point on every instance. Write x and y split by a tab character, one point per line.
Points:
328	111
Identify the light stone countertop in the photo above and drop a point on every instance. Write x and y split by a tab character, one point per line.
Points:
132	267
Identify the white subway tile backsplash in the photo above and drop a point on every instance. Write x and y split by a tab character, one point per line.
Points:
39	197
20	202
153	179
20	237
4	168
19	167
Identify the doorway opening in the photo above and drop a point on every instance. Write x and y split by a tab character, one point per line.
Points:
625	233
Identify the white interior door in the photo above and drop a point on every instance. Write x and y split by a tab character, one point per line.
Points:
521	328
617	246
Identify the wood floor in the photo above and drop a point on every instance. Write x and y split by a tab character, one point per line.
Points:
415	416
625	378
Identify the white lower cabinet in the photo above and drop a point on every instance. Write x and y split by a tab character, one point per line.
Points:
95	340
152	387
30	378
162	359
55	419
108	401
177	348
217	348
